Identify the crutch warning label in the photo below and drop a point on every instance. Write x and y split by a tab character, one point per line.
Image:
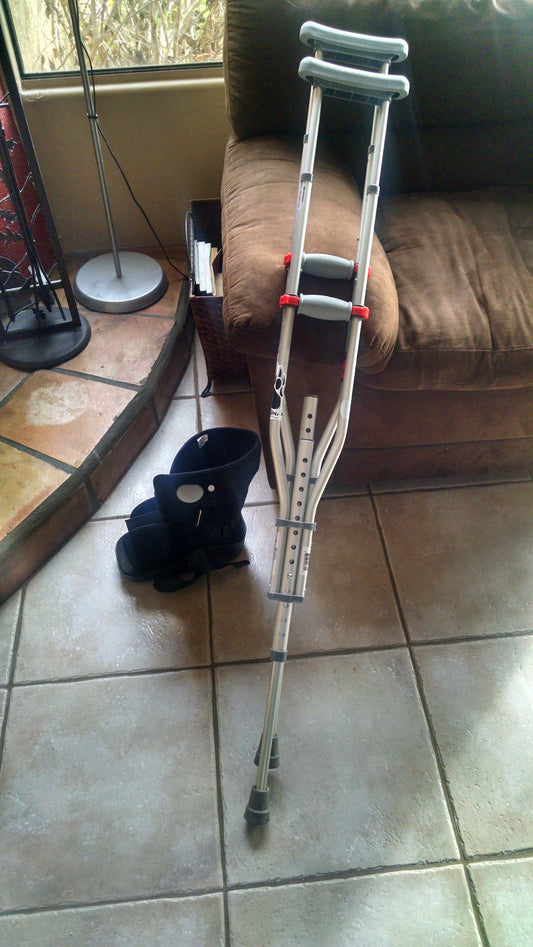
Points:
279	393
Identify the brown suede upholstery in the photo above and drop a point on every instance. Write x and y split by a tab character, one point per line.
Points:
465	289
260	181
445	370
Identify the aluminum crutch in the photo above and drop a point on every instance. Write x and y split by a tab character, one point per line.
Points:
354	67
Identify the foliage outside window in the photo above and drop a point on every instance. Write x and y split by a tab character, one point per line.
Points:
118	34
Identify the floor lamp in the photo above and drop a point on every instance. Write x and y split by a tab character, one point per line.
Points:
120	281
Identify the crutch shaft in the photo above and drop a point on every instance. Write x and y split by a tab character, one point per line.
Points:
304	189
270	722
257	811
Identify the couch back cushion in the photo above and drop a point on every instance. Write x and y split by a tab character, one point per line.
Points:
471	73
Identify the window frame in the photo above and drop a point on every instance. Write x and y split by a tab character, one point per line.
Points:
115	76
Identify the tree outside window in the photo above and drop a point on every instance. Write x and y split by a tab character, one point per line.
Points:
118	34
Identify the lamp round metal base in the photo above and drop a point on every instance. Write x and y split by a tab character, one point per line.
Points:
142	283
30	344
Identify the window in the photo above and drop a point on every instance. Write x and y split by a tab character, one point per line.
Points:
118	34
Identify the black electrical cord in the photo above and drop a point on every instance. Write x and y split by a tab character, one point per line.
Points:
121	170
136	202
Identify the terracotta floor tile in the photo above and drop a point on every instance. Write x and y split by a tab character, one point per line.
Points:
167	305
25	482
61	416
9	377
122	347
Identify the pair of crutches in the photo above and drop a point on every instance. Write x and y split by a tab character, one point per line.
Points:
355	67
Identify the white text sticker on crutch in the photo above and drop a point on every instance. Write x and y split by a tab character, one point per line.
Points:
279	393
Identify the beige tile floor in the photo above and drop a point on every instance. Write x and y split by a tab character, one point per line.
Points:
402	813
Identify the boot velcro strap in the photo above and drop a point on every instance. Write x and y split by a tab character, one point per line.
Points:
191	568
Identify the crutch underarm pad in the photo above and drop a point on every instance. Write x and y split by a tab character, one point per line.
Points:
374	48
353	83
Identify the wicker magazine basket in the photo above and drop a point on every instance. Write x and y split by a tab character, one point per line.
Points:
222	361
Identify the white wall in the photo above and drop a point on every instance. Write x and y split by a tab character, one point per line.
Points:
168	134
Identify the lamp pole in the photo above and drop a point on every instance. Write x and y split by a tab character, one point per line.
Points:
120	281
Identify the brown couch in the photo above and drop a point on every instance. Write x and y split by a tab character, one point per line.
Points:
445	374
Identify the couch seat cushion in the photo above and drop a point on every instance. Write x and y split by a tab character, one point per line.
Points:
463	266
259	191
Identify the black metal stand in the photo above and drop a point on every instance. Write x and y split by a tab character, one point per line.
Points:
39	332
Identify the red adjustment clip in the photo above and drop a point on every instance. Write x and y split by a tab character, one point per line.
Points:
356	267
362	312
289	300
287	260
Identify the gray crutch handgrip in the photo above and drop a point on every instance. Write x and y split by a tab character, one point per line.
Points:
375	48
335	79
327	266
328	308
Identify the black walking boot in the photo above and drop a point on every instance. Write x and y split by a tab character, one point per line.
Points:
194	522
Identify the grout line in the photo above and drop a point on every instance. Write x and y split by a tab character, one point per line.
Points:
109	902
422	486
101	379
259	504
7	397
218	774
446	789
11	675
38	455
180	669
288	882
108	676
343	875
465	639
246	662
520	854
214	709
283	882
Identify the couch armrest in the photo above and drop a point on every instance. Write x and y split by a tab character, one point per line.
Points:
259	189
